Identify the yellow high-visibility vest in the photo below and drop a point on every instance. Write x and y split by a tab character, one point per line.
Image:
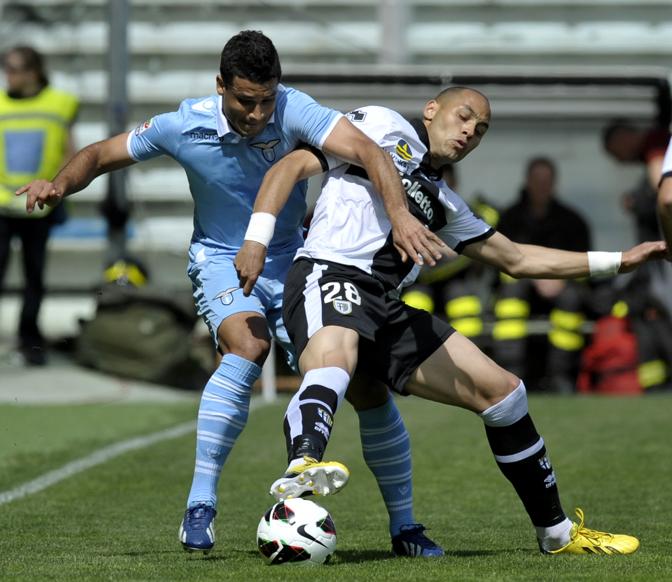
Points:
33	143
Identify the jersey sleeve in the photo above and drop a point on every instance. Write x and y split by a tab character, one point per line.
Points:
462	227
391	132
154	137
307	120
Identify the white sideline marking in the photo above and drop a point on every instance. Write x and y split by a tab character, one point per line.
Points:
101	456
96	458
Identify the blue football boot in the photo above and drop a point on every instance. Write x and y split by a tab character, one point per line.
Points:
411	542
197	530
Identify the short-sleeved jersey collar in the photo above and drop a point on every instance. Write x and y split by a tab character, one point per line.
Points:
224	129
421	130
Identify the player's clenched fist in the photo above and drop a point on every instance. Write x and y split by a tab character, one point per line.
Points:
40	192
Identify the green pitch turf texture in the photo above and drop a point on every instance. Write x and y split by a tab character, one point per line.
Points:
119	520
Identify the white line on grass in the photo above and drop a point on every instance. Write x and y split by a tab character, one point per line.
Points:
101	456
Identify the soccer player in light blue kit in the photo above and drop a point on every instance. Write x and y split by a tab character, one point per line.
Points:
225	143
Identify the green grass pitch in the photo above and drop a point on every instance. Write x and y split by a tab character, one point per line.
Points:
119	520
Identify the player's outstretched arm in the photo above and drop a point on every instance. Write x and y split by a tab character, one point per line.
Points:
90	162
411	238
536	262
271	199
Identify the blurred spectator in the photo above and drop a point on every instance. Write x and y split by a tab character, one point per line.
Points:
35	141
646	293
665	197
539	218
628	144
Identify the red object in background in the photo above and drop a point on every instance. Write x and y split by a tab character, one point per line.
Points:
609	364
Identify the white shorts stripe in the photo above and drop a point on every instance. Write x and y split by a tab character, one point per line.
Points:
313	303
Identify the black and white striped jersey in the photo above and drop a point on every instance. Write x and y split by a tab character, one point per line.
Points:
350	225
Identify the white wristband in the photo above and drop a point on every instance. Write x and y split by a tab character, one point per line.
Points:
603	264
261	227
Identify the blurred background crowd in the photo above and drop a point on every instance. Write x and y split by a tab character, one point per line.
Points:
580	94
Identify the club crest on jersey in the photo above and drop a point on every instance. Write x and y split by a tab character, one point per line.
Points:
267	149
404	151
342	306
226	296
143	127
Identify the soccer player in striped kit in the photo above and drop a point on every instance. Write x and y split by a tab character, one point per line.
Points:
342	310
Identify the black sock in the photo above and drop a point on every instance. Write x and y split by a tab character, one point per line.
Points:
316	405
521	456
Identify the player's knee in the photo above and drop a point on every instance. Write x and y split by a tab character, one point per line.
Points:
507	410
364	394
499	390
249	347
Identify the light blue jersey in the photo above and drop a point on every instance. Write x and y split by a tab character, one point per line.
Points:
225	172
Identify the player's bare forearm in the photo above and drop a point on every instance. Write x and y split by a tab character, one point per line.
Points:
273	194
536	262
87	164
280	179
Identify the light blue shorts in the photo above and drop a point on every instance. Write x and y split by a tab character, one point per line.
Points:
218	295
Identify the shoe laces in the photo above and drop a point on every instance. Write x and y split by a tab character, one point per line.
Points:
414	533
592	535
199	517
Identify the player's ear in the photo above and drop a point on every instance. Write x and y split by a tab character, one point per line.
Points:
431	107
220	85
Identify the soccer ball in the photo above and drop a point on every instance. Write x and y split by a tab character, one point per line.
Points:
296	531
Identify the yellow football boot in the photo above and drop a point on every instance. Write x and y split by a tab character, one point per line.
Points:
590	541
311	477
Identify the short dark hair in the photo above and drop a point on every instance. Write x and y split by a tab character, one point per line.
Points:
32	61
249	55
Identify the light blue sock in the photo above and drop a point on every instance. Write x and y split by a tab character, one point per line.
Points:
387	452
222	415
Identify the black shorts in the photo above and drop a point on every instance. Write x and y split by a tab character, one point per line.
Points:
394	337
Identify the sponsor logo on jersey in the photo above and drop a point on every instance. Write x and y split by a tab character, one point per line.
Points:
226	296
267	149
422	199
342	306
403	150
204	135
143	127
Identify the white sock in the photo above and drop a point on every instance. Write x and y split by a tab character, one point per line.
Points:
556	536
